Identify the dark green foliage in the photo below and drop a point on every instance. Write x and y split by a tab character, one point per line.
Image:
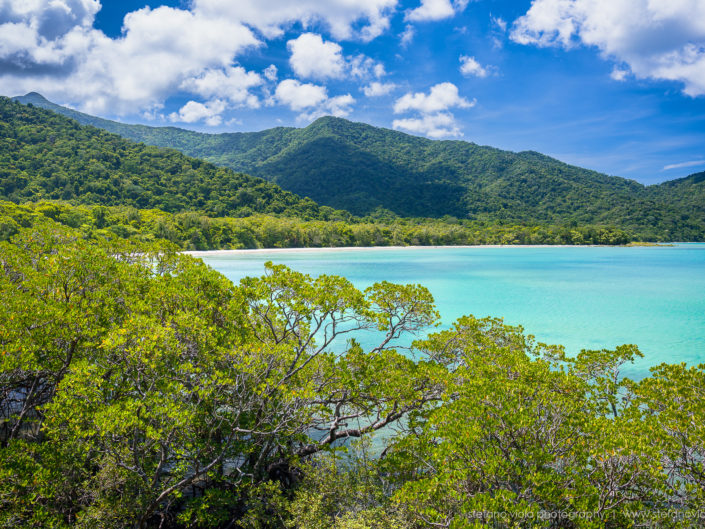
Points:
47	156
362	169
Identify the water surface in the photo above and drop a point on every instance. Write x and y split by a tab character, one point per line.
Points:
580	297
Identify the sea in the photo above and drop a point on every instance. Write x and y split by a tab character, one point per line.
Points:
580	297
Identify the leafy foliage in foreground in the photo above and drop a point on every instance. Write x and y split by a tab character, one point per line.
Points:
46	156
362	169
141	389
192	231
137	385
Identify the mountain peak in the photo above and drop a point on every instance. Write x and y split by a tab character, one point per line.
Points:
329	119
32	97
338	126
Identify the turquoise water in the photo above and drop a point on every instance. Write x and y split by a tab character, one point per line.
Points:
580	297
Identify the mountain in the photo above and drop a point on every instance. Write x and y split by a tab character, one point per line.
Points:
364	169
44	155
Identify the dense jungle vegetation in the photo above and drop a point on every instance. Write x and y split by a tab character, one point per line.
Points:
194	231
365	169
86	178
140	389
44	155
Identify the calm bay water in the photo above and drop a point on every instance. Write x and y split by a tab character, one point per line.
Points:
580	297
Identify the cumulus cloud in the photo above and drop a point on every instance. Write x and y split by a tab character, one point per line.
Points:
312	100
434	120
377	89
313	58
363	67
339	106
231	83
50	20
38	37
364	19
158	51
51	46
655	39
435	10
431	10
441	97
470	66
194	111
440	125
298	95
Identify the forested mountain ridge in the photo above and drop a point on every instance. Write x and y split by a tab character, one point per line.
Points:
106	186
364	169
44	155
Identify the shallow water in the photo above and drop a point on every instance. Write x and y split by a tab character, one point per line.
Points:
580	297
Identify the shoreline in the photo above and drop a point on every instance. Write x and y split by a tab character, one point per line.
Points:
208	253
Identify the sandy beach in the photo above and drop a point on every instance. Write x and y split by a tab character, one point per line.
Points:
214	253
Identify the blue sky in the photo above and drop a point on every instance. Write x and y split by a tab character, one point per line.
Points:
612	85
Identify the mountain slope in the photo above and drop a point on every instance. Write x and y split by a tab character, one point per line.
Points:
362	168
47	156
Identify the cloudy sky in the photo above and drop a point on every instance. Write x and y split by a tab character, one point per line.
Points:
612	85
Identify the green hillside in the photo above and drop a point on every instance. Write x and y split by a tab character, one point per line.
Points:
684	197
365	169
47	156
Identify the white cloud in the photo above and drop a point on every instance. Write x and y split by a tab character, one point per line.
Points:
619	74
38	36
231	83
154	112
435	10
299	96
470	66
377	89
51	46
441	97
440	125
158	51
365	19
500	23
312	100
363	67
656	39
431	10
498	31
434	121
313	58
338	106
407	35
271	72
194	111
50	19
683	165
